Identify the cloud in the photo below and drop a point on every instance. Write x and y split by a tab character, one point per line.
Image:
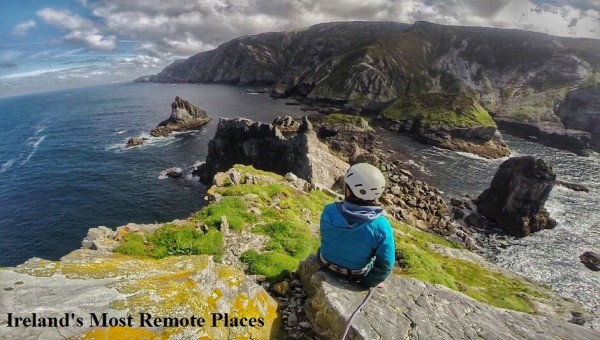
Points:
22	28
81	31
64	19
8	65
181	28
94	41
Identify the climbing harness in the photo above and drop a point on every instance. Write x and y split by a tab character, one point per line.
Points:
351	276
372	290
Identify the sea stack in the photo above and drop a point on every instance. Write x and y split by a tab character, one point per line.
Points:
184	116
515	199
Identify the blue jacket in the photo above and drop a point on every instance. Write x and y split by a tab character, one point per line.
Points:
363	242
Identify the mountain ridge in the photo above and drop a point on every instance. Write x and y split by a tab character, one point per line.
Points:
517	75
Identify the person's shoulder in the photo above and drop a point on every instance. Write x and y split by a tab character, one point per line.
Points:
330	208
383	222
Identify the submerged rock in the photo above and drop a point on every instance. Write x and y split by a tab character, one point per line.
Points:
135	141
515	199
184	116
410	309
174	172
591	260
572	186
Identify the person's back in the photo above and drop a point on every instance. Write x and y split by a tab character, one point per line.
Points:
357	240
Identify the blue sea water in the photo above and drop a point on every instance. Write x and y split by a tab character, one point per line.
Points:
64	168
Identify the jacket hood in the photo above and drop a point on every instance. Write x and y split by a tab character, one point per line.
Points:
354	213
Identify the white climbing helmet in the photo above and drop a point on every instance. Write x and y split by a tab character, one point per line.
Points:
365	181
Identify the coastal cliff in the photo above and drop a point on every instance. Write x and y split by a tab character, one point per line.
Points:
516	75
260	226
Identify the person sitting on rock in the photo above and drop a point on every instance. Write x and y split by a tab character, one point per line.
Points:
357	241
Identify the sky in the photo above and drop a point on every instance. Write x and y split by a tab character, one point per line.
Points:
49	45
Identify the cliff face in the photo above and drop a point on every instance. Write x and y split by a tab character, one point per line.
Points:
516	75
581	110
274	57
242	141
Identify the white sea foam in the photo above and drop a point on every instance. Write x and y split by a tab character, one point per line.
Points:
7	165
149	141
36	142
472	155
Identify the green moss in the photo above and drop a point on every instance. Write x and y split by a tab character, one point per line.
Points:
435	109
274	265
506	92
133	244
265	192
249	169
233	207
289	237
591	81
493	288
419	261
340	118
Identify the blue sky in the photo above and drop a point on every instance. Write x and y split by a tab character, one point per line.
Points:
48	45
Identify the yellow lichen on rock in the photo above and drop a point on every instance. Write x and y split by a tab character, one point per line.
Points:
152	293
120	333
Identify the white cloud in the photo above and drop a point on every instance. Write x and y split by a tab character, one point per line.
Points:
22	28
81	31
181	27
64	19
94	41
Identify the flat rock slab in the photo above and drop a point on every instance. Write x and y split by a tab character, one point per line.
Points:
85	284
410	309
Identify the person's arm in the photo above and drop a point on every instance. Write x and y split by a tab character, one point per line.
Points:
385	257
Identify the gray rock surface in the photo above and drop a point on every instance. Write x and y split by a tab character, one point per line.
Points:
184	116
87	281
286	124
515	199
581	110
410	309
242	141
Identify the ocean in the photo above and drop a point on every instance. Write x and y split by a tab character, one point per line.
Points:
64	169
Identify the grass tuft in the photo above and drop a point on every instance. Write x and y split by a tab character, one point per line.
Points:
171	240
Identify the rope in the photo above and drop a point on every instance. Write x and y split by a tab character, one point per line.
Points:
356	312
